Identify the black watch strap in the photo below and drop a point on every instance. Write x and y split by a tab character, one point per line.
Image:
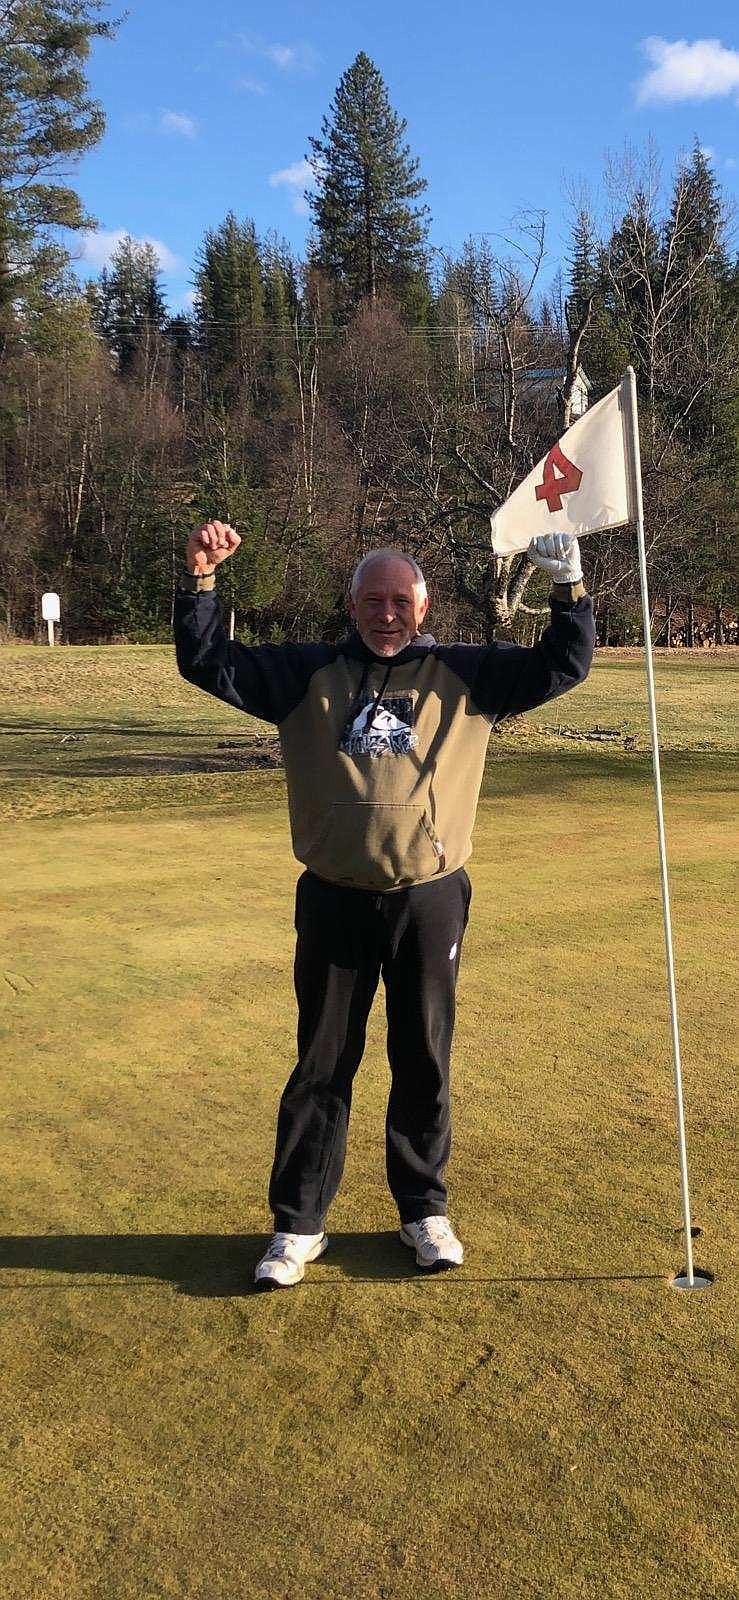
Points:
194	583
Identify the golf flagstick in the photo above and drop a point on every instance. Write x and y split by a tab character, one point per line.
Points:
691	1279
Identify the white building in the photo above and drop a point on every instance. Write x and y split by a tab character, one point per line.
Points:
541	384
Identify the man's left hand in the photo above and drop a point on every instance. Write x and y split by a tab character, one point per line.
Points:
559	555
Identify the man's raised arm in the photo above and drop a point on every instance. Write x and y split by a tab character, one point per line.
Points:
267	680
512	678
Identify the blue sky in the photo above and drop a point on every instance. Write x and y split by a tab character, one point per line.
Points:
210	106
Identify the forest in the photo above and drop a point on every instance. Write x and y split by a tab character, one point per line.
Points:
379	391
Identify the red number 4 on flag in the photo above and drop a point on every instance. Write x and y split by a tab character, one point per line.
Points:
552	487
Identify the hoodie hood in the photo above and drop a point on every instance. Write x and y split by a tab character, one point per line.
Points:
353	645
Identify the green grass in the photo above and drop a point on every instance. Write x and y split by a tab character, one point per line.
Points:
553	1420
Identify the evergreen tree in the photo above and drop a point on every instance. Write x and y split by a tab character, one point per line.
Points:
128	301
369	232
230	305
221	480
603	353
635	277
695	255
702	392
281	309
179	332
183	373
582	263
696	221
47	120
56	318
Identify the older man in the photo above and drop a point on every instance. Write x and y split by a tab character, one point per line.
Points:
384	737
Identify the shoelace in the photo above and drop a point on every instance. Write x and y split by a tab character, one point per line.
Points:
279	1249
436	1231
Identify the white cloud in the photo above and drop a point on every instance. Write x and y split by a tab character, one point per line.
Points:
298	57
167	122
283	55
295	179
100	245
707	152
178	122
730	162
291	57
702	70
251	85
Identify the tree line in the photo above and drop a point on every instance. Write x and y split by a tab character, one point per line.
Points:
377	392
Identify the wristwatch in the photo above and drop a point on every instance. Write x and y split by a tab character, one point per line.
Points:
195	583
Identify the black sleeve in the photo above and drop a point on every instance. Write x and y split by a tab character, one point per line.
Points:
266	680
505	679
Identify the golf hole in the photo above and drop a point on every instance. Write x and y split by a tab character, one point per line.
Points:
701	1280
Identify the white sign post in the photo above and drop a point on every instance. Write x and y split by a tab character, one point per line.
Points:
50	612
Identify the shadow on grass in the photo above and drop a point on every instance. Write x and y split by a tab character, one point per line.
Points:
131	764
509	770
96	725
220	1265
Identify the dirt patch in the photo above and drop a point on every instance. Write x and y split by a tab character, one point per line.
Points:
254	752
524	730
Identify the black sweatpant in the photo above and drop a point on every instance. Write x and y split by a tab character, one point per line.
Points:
346	938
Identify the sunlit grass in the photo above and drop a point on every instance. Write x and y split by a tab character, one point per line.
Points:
553	1420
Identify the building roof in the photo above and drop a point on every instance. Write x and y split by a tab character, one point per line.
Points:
556	375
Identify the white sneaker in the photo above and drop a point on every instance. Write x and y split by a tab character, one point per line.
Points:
283	1264
435	1243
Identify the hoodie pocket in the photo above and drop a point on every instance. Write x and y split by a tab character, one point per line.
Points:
372	846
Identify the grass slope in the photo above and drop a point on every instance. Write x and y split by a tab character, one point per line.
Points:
552	1420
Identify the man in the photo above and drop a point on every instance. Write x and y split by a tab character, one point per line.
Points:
384	738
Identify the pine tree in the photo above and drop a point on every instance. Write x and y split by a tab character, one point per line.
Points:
55	317
635	272
47	121
697	217
696	257
602	353
223	488
369	233
582	263
230	305
282	308
702	391
128	300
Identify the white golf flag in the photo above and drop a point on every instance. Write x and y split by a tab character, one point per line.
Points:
580	486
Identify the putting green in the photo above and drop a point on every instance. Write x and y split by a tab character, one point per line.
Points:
552	1420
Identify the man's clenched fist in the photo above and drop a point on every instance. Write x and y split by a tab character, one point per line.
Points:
211	544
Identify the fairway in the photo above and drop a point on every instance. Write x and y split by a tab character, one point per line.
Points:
552	1420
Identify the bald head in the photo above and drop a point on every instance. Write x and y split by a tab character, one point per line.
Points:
388	600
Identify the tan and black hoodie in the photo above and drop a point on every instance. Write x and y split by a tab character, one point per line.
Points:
383	756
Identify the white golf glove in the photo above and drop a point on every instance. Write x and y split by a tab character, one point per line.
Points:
559	555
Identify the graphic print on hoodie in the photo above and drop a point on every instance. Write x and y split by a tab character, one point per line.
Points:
382	726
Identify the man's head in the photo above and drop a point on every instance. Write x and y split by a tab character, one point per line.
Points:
388	600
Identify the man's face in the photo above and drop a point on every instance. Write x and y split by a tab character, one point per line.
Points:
388	608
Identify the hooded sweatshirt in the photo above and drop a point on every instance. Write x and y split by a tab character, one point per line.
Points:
384	756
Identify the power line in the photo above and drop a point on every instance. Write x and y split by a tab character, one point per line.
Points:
325	331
